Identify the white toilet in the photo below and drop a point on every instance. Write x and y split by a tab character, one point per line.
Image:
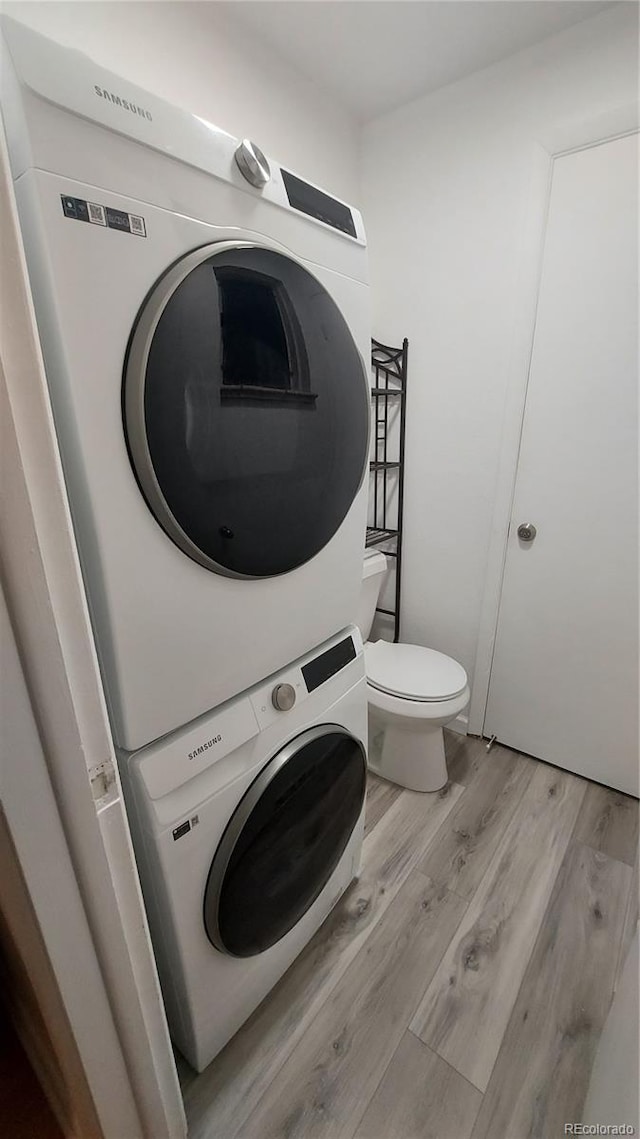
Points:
412	692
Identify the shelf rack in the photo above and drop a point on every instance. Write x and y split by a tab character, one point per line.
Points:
389	368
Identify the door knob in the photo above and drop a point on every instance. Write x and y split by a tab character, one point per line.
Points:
526	531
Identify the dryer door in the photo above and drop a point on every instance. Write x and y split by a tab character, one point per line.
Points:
284	841
246	410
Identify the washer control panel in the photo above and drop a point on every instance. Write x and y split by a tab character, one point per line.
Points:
283	697
322	667
291	687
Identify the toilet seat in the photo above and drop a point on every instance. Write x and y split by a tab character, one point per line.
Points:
413	672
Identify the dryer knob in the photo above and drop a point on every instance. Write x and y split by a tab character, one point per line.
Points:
283	697
252	163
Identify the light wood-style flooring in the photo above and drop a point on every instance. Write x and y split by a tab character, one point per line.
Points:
459	988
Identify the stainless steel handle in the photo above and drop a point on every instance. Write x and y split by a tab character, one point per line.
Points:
526	531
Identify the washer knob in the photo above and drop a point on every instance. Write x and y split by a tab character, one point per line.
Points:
283	697
252	163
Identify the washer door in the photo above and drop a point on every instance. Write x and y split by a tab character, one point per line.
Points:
284	841
246	410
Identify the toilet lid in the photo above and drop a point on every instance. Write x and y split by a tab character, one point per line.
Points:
413	672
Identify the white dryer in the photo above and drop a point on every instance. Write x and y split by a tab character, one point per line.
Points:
204	318
247	829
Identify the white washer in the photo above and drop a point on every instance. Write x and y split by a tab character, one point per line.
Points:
248	828
204	340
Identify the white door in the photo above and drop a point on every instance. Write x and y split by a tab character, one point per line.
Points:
564	679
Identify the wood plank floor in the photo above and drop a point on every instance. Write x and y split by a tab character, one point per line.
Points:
459	988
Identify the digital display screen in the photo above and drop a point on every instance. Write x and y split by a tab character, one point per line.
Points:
318	205
317	671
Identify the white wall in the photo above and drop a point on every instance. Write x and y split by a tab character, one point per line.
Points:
194	56
445	182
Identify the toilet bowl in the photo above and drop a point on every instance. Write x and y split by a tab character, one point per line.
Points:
413	692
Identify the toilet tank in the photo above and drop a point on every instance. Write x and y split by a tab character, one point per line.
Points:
373	571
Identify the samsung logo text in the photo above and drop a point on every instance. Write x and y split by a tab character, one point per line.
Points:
204	747
124	103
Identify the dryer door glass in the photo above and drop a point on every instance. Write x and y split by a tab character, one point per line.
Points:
284	841
246	410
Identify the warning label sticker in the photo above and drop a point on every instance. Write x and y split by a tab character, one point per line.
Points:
94	213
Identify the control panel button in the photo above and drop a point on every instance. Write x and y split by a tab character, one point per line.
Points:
252	164
283	697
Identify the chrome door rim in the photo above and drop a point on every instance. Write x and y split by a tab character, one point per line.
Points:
135	375
134	390
237	822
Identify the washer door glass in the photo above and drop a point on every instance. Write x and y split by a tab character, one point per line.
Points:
246	410
284	841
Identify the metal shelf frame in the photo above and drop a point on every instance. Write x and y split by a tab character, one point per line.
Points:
389	368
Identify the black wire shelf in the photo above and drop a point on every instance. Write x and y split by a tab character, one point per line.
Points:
389	376
377	465
376	536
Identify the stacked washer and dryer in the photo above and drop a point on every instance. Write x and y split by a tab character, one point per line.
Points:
204	320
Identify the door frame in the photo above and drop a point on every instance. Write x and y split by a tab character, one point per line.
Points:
56	993
62	798
560	140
